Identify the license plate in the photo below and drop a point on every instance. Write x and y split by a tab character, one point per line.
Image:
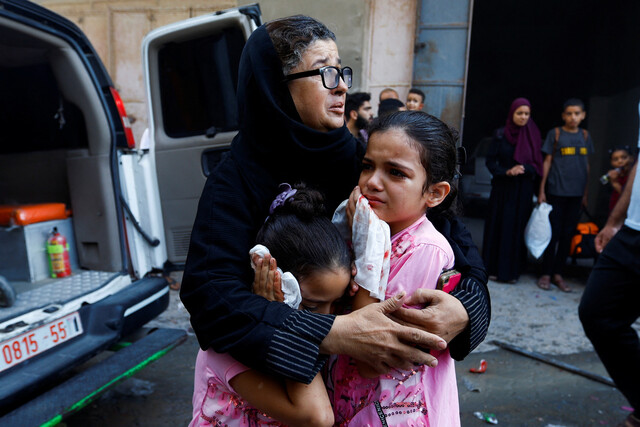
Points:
39	340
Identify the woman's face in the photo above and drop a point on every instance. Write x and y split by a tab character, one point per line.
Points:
319	108
521	115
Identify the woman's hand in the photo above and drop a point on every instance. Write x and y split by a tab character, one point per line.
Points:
266	282
443	314
351	204
516	170
369	335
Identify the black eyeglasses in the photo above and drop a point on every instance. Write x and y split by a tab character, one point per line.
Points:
330	76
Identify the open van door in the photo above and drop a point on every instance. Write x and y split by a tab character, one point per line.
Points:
191	76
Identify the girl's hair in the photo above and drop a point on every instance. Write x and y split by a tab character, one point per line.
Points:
291	36
626	148
301	237
436	144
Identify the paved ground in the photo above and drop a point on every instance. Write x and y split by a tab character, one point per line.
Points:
518	390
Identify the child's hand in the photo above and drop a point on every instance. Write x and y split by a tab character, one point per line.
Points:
614	174
266	282
351	205
542	197
353	287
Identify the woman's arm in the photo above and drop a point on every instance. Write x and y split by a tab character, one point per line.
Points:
228	317
492	158
529	170
216	288
292	404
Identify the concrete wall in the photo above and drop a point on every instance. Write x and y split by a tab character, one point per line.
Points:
392	42
375	37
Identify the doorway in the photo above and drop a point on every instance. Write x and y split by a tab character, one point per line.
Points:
549	51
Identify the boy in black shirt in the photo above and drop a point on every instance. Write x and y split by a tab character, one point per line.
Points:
565	172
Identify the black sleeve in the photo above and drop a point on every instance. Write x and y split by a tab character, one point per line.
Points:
492	160
472	291
530	170
216	288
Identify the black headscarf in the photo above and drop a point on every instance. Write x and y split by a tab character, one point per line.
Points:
273	145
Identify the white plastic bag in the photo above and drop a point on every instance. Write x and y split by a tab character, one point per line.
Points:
537	234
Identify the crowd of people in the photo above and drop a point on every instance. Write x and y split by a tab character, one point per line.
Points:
328	280
525	168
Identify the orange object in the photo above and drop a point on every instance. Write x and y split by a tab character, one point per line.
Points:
31	214
582	229
480	369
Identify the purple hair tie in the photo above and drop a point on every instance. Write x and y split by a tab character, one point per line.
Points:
286	192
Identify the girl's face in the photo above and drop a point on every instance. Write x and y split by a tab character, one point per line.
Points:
521	115
321	289
620	159
393	179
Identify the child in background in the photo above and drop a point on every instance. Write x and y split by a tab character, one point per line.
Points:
565	173
415	100
409	167
306	244
388	93
621	163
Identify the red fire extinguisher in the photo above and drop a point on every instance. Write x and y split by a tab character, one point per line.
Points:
58	251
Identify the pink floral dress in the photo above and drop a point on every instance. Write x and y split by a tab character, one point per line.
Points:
423	396
215	402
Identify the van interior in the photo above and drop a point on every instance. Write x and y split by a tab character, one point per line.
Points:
48	152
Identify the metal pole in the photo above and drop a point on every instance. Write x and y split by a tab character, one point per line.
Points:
554	362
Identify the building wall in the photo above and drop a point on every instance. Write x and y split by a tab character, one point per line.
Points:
375	37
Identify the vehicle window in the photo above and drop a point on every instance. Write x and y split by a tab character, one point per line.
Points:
198	80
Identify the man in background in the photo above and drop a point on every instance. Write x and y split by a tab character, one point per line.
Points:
358	114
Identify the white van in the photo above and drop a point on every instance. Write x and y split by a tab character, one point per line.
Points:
127	212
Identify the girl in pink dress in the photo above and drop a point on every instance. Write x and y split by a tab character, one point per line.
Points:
409	167
307	245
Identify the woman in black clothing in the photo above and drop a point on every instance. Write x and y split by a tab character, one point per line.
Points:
291	94
514	160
